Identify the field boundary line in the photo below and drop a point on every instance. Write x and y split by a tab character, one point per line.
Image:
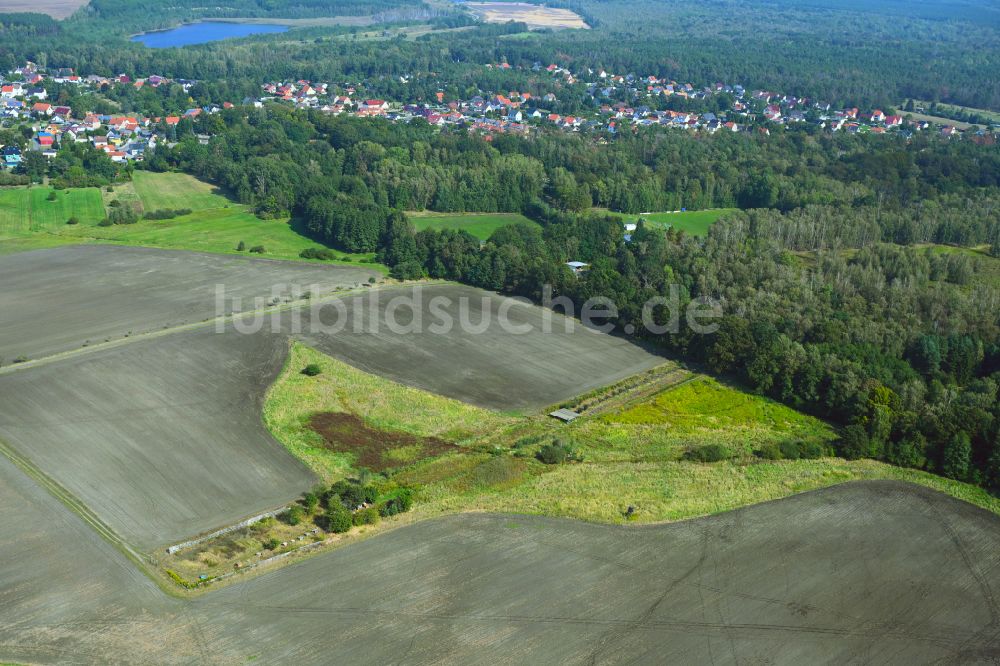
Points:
225	319
78	507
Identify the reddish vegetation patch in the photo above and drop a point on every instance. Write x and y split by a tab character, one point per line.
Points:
373	448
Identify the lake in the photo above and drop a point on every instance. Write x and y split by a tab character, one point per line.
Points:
204	32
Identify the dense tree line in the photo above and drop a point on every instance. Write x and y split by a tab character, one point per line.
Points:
343	176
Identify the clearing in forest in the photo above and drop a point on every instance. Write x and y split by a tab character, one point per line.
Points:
480	225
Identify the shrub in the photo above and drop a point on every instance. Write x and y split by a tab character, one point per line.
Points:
769	451
556	453
401	503
312	370
241	247
258	249
790	450
106	222
52	196
167	213
812	450
271	543
72	220
317	253
353	493
295	515
337	519
110	188
707	454
310	501
114	203
367	516
853	442
371	280
407	270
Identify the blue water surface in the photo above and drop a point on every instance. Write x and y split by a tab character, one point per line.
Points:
203	32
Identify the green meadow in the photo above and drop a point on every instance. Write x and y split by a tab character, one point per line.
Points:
693	222
25	210
28	220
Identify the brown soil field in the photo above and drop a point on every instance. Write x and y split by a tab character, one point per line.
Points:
374	449
65	298
161	438
873	572
536	16
492	367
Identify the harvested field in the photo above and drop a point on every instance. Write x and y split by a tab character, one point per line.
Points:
536	16
161	438
861	573
64	298
58	9
482	363
372	448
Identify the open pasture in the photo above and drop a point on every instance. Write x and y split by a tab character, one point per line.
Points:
215	230
61	299
161	438
176	190
27	209
480	225
518	366
536	16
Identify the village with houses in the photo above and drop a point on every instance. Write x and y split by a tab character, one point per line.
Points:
619	102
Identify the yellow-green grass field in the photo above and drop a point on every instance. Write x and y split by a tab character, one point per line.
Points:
480	225
693	222
28	221
697	412
631	457
25	210
176	190
216	230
